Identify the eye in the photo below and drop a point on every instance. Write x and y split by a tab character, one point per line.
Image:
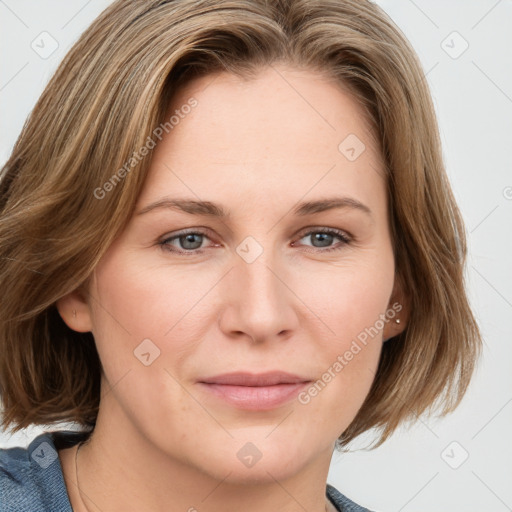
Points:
191	242
322	239
186	242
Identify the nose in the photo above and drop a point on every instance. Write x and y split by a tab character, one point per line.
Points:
258	302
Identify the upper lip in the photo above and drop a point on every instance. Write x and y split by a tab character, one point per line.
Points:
254	379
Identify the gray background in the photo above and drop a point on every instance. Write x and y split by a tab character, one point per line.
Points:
421	468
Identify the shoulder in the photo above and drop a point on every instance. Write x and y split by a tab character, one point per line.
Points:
342	502
31	478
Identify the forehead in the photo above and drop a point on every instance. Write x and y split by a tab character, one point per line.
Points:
287	130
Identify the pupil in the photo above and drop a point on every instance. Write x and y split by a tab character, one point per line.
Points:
324	238
188	241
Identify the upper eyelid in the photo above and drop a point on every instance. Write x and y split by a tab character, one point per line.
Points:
186	231
206	231
344	235
320	229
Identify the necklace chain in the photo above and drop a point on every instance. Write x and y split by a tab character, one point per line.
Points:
76	474
328	505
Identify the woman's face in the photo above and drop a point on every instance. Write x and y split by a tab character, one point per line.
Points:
259	289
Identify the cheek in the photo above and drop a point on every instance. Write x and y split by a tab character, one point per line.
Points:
137	301
144	335
350	298
352	310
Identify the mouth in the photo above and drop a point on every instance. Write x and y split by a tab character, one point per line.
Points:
263	391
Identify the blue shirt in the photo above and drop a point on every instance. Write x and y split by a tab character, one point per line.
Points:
31	478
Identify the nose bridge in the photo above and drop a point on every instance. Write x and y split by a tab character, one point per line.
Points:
260	284
259	303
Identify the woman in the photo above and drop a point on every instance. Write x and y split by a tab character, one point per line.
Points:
230	247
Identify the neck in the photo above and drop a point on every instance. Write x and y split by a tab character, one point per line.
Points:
119	469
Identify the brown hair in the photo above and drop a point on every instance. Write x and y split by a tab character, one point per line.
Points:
106	98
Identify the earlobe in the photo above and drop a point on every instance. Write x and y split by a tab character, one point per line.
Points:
397	313
75	311
393	328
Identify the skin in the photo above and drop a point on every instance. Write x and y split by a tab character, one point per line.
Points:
257	148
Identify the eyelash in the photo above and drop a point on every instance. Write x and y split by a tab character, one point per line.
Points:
343	236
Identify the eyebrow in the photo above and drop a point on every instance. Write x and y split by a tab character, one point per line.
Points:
211	209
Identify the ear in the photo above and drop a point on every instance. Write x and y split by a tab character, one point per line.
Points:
75	311
397	311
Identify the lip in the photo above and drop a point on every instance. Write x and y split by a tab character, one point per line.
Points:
255	379
262	391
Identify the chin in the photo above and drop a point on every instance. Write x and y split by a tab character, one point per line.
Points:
266	471
254	459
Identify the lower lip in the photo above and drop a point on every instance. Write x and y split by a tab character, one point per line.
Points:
255	398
